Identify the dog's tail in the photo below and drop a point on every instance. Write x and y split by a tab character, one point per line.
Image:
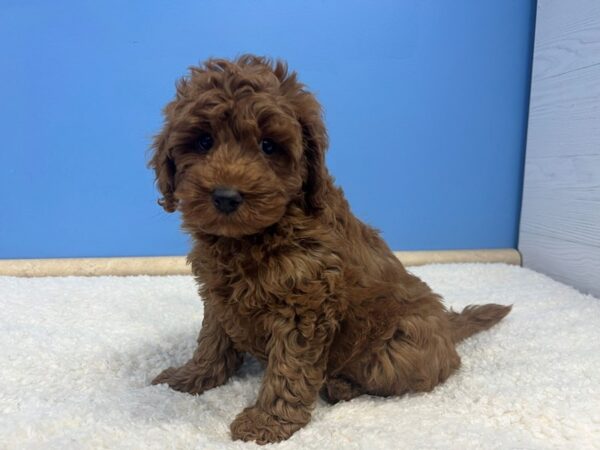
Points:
475	318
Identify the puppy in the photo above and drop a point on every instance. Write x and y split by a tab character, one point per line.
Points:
285	270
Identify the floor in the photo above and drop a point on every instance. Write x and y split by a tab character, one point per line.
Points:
77	356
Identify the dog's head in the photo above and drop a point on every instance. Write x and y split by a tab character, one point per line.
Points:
241	140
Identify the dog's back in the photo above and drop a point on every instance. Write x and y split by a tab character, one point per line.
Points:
396	335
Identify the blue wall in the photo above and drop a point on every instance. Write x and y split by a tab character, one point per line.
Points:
426	103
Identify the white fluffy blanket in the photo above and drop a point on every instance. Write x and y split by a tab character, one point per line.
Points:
77	356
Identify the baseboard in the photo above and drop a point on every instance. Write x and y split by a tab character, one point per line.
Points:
176	265
498	255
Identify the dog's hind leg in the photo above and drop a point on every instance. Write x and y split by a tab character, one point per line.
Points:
415	357
213	362
339	388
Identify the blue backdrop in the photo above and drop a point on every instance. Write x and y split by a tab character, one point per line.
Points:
425	100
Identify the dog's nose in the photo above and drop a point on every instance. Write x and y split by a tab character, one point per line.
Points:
226	200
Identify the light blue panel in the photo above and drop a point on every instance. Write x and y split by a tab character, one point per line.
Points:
426	103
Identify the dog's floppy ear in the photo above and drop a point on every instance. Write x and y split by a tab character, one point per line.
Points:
164	169
315	142
314	136
315	145
161	161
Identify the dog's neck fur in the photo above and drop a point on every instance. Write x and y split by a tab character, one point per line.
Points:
291	224
296	219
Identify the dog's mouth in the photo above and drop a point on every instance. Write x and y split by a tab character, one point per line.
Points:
232	213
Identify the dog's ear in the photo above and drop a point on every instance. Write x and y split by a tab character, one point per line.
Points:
164	169
314	136
315	142
161	161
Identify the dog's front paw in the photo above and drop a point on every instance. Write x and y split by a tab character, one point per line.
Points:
254	424
164	376
183	380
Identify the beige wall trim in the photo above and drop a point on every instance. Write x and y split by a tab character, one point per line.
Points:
500	255
176	265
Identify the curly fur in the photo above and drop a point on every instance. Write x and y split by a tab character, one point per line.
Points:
291	277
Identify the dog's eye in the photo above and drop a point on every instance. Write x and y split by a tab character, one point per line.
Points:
205	142
268	146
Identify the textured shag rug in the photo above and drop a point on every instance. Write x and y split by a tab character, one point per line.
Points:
77	356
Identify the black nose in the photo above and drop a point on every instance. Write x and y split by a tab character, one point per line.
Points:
226	200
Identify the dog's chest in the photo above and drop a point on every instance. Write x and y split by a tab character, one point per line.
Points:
247	301
247	328
253	287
